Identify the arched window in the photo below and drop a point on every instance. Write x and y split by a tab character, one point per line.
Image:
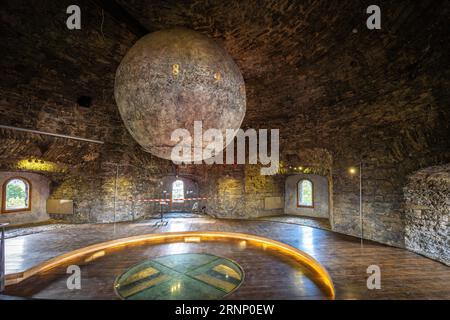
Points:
305	194
178	191
16	195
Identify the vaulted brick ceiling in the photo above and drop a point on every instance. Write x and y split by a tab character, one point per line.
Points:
302	56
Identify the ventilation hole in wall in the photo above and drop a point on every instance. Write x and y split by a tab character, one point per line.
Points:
84	101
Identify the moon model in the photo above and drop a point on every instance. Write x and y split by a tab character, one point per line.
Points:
171	78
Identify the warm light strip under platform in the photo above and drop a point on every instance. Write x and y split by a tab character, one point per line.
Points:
266	243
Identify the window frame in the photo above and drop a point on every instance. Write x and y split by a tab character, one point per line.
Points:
171	195
5	184
312	194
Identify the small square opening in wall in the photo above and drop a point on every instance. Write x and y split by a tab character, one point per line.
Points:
84	101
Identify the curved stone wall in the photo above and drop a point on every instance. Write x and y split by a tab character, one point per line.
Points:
427	213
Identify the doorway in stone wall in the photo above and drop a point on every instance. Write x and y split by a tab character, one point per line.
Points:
181	196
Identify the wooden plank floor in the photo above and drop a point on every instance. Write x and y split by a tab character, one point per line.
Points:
405	275
262	273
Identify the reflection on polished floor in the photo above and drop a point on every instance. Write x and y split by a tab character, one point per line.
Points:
267	276
320	223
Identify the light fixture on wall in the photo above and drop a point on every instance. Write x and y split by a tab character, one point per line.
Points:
39	165
353	171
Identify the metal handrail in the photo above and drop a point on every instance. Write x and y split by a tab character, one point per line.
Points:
57	135
2	256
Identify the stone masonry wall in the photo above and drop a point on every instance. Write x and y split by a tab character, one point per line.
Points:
311	70
427	213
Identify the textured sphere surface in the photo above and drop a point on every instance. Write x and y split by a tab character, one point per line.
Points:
171	78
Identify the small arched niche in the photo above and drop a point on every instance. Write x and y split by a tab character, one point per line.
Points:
179	192
307	195
24	197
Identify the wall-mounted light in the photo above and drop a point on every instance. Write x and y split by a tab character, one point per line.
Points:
353	171
39	165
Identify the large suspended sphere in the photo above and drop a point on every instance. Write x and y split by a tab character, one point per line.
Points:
171	78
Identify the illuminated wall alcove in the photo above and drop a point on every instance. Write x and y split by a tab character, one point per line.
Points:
319	207
189	191
39	189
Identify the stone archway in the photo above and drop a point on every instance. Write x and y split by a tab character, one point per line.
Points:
190	191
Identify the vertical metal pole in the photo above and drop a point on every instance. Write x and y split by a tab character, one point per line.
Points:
163	195
2	257
166	203
133	208
360	202
115	195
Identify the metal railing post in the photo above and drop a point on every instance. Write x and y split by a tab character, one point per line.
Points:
2	256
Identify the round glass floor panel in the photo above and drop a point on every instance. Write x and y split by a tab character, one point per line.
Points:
189	276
